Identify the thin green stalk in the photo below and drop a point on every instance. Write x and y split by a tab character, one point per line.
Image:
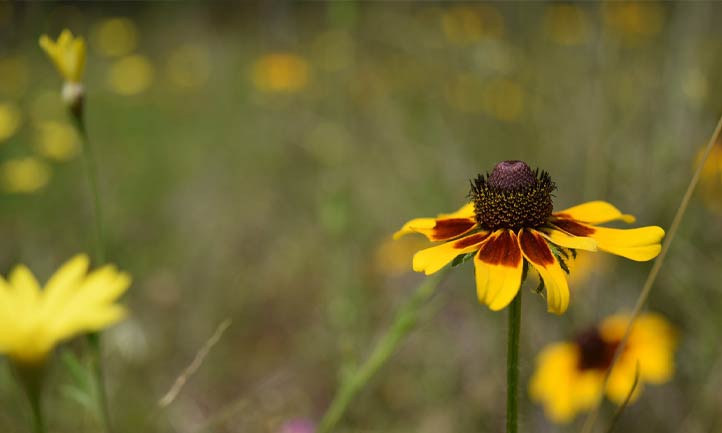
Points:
656	267
94	338
31	377
91	174
512	365
403	324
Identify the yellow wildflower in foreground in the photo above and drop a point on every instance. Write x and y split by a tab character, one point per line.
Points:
569	375
34	321
67	53
510	220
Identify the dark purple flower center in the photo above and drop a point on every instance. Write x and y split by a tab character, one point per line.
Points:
512	196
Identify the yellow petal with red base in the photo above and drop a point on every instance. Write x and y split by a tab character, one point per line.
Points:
640	244
431	260
498	269
562	239
595	212
538	253
443	227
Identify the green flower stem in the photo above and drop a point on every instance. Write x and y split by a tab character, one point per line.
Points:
91	173
31	378
512	365
403	324
94	338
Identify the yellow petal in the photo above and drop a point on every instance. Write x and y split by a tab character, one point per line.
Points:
498	268
25	287
537	252
562	239
431	260
65	280
555	380
595	212
640	244
443	227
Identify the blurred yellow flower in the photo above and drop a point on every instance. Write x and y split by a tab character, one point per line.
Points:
10	120
394	256
569	376
280	72
189	66
114	37
14	76
57	140
634	18
131	75
67	53
466	24
24	175
34	321
566	24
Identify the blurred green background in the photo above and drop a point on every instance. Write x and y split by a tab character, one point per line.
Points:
255	158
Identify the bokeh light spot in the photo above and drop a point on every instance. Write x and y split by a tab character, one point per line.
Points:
131	75
115	37
280	72
24	175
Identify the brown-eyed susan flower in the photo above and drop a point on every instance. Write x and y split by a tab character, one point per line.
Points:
569	376
68	55
34	321
510	221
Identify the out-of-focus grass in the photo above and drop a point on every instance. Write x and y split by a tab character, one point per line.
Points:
254	158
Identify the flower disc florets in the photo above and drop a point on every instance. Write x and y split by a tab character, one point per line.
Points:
512	197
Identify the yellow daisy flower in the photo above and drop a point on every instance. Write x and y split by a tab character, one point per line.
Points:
569	375
67	53
510	221
34	321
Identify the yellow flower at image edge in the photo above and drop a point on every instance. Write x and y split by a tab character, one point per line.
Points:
510	220
24	175
569	376
67	53
34	321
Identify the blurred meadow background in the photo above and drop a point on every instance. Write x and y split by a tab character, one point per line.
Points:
255	158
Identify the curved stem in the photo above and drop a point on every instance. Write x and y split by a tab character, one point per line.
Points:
512	365
94	338
403	324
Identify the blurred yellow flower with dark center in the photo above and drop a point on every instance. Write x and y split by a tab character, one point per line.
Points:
130	75
10	120
57	140
569	376
467	24
280	72
510	224
24	175
67	54
33	320
566	24
189	66
114	37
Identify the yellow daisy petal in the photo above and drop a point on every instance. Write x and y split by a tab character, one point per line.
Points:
537	252
562	239
431	260
498	269
595	212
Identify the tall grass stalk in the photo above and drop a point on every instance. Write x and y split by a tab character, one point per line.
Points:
656	267
403	324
